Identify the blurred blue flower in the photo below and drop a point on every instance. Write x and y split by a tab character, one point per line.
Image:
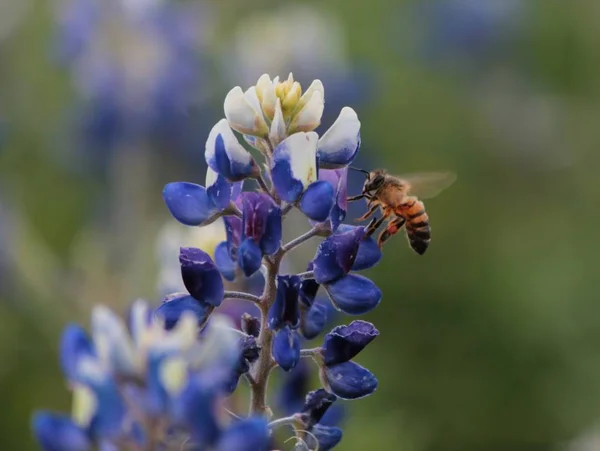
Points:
464	33
139	67
124	377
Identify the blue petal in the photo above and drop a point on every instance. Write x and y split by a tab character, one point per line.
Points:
56	432
354	294
369	253
271	240
172	309
200	276
295	384
286	348
194	408
224	262
336	254
327	437
188	203
317	200
349	380
314	320
334	416
285	310
75	343
219	192
251	434
345	342
249	257
110	411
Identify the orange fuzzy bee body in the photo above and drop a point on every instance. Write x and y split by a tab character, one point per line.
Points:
398	198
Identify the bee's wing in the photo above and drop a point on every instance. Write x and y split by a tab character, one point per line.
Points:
426	185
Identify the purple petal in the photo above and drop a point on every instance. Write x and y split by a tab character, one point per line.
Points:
345	342
349	380
354	294
317	402
200	276
285	309
271	240
336	254
188	203
369	253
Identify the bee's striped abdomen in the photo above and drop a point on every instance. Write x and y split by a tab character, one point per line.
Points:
417	226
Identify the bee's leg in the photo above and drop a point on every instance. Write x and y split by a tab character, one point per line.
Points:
372	210
392	228
360	196
374	225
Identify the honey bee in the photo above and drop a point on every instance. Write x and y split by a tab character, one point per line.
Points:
398	198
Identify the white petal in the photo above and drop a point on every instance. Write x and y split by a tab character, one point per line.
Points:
219	345
265	89
242	115
303	156
234	149
278	127
139	319
211	177
309	117
342	134
315	86
112	340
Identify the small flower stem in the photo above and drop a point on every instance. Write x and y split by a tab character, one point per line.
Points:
309	352
306	275
240	295
262	367
282	422
301	239
261	182
287	209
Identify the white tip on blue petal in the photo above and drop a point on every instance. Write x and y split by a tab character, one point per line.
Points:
112	340
294	165
226	156
340	144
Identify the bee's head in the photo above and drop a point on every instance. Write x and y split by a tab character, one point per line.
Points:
375	180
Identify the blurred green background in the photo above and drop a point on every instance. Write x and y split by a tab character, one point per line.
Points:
491	341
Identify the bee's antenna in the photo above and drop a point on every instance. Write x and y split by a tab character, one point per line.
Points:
360	170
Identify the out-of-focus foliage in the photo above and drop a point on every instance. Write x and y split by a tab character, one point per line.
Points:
491	341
